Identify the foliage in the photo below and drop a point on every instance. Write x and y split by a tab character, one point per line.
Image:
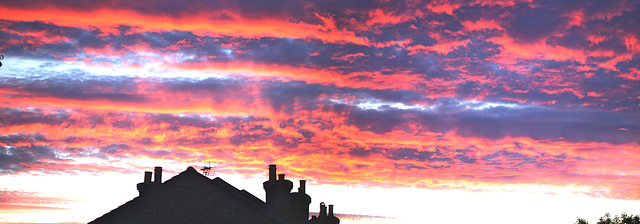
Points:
581	221
607	219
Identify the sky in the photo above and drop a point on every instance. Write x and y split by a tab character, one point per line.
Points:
394	111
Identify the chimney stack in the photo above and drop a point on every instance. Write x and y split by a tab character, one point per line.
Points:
302	187
158	177
278	199
330	210
147	177
323	210
272	172
147	185
300	205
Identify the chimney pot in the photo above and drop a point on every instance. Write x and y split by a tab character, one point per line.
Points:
272	172
301	190
323	210
330	210
147	177
158	177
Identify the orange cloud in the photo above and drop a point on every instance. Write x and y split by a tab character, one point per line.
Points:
351	58
203	23
443	7
633	74
513	52
379	16
481	25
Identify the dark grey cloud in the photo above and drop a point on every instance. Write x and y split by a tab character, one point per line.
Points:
115	89
413	154
247	138
500	122
286	97
533	23
22	138
395	153
379	122
540	124
17	159
206	140
217	89
186	120
307	133
114	149
12	117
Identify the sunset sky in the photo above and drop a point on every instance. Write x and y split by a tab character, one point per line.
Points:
405	111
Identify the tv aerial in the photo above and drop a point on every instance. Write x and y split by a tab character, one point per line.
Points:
209	170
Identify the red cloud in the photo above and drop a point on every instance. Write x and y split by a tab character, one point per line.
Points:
203	23
633	74
481	25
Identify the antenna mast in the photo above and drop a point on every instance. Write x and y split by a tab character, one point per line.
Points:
208	170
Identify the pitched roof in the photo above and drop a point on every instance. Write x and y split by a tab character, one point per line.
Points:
190	197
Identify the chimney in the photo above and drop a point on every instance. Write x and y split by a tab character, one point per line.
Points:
300	205
158	177
147	177
281	176
323	210
301	189
278	199
272	172
147	184
330	210
332	219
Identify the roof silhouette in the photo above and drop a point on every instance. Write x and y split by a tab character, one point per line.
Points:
191	197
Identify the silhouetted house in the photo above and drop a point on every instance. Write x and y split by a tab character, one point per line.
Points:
323	217
191	197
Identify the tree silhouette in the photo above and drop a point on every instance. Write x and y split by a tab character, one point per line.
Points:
606	219
581	221
624	218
